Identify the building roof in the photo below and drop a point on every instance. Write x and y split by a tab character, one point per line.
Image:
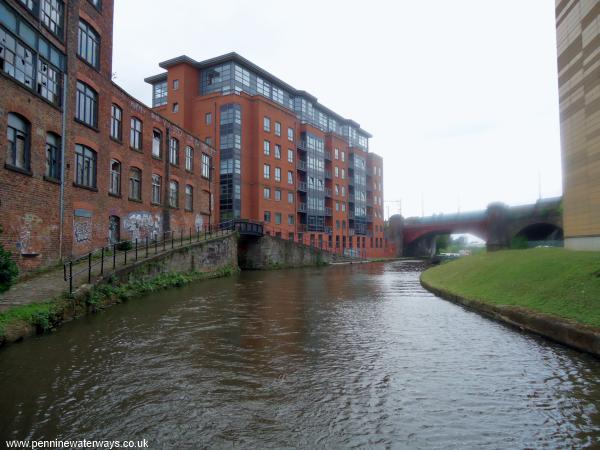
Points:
235	57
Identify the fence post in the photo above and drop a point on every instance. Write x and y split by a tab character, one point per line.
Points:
102	263
114	256
164	240
146	246
181	237
156	245
172	239
190	235
70	277
89	267
125	256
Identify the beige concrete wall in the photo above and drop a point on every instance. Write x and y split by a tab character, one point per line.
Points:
578	45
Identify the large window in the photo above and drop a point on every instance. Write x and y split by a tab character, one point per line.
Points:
205	166
189	197
277	174
53	156
267	171
291	134
290	155
28	57
277	129
135	184
277	151
189	158
156	143
88	44
115	177
135	137
266	148
174	194
52	15
86	108
18	142
266	124
97	4
85	166
174	151
116	122
159	94
156	188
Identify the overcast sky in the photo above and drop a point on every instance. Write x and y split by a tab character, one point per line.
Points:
461	96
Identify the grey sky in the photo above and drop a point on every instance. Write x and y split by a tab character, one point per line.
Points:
461	96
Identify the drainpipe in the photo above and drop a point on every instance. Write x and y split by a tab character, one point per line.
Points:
62	165
165	202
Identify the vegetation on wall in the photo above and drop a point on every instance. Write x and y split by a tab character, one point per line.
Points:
8	269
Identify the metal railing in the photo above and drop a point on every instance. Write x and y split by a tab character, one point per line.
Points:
119	253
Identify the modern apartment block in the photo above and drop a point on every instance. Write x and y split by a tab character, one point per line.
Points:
283	158
82	163
578	41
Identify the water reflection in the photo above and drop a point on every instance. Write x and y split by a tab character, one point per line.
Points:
349	356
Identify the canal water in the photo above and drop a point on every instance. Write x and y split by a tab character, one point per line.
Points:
338	357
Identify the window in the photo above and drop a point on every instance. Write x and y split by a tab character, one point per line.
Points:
290	197
343	207
51	14
175	107
135	184
267	171
49	82
277	174
267	124
175	85
337	206
337	189
208	118
267	216
343	191
189	197
156	188
277	195
290	177
267	148
85	166
290	219
53	155
336	171
291	134
336	153
189	158
88	44
174	194
18	142
174	151
343	155
115	177
267	193
277	129
343	174
156	143
277	218
277	151
159	94
208	141
116	122
86	107
205	166
97	4
135	138
290	155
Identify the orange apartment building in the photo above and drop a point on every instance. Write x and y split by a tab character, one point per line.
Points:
282	157
82	163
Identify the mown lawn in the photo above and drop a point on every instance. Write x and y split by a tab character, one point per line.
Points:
554	281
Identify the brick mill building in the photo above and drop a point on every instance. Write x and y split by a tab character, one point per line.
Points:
82	163
283	158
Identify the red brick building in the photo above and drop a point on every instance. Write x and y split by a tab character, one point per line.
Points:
283	158
82	163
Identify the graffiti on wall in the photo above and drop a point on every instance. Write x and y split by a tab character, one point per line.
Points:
142	224
82	230
199	222
27	225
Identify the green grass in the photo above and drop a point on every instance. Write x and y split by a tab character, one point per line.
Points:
553	281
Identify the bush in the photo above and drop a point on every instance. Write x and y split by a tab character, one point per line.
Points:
124	245
518	242
8	270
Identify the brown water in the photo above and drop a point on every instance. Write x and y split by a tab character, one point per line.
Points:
353	356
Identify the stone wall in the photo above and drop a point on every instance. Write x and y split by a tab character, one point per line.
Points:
206	256
270	252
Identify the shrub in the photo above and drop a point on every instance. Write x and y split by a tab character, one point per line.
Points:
8	270
124	245
518	242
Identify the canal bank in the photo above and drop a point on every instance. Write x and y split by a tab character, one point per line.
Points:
554	293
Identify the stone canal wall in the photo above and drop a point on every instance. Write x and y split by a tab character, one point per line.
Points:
270	252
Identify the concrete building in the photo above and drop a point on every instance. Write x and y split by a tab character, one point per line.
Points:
82	163
284	158
578	41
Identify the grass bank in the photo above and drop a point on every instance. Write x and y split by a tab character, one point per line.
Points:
556	282
21	321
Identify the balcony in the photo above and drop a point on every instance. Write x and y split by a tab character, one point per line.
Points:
351	231
327	192
350	181
301	165
351	198
350	214
327	156
302	186
328	230
328	174
302	207
328	211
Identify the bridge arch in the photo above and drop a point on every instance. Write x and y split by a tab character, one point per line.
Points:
541	231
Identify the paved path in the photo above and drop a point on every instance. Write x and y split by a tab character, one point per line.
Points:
52	284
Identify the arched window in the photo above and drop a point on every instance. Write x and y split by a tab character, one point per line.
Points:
86	106
88	44
135	138
85	166
115	177
189	198
53	156
174	151
135	183
174	194
156	143
18	133
156	186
